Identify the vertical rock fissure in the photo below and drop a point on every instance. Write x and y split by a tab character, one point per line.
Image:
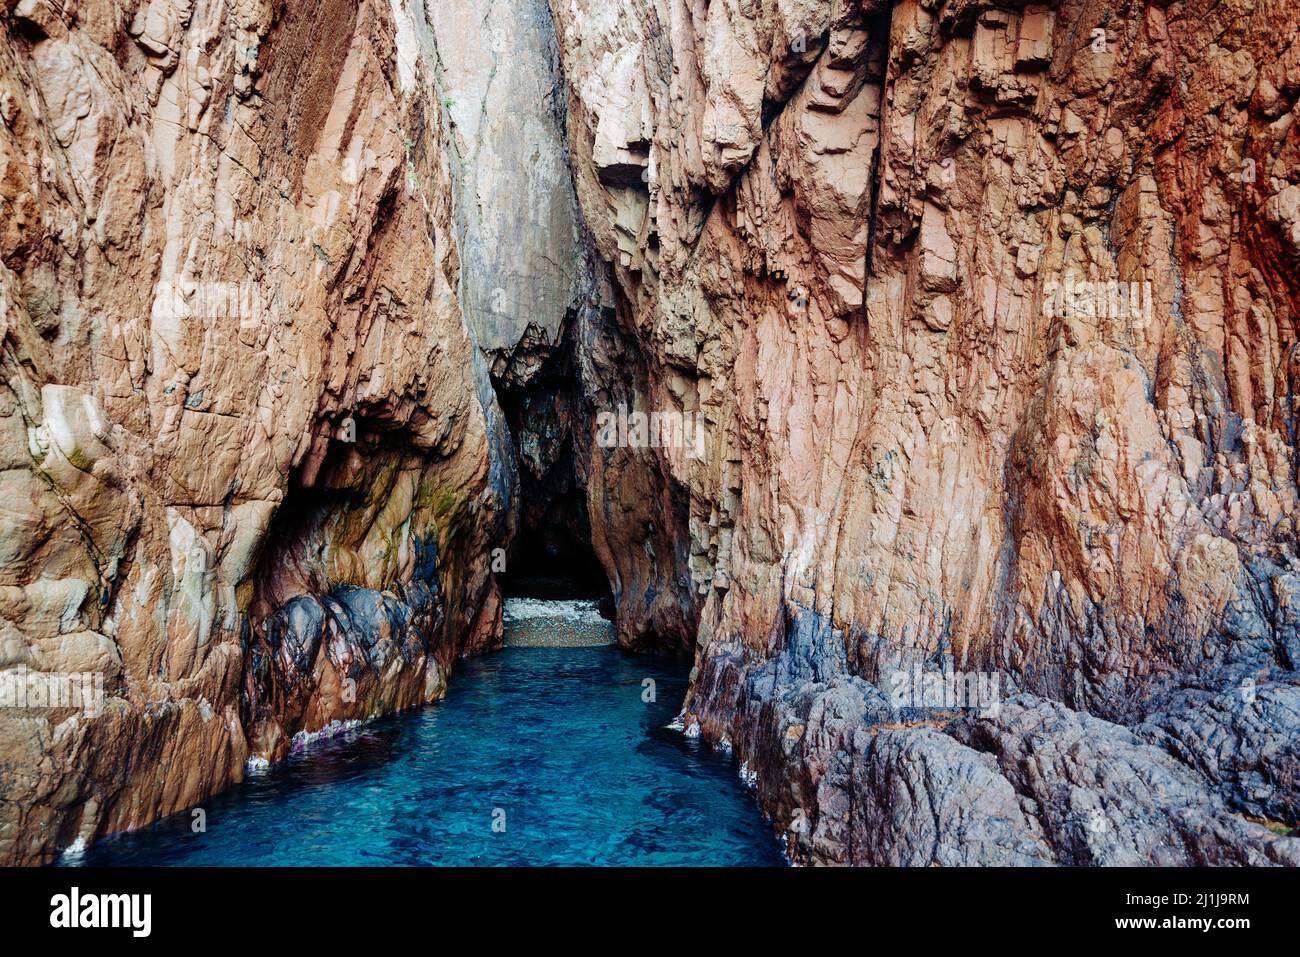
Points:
884	25
547	417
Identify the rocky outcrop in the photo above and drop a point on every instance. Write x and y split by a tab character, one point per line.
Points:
1104	796
254	465
988	310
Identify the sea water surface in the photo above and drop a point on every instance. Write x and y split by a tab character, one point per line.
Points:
536	756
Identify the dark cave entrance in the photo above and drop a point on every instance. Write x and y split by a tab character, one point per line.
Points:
551	556
546	562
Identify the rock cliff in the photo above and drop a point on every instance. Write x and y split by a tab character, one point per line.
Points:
255	471
989	312
976	321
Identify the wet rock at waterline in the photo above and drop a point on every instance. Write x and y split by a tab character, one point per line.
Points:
349	655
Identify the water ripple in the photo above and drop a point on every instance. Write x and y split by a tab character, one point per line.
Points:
557	745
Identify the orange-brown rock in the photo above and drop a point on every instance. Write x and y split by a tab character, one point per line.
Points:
990	311
253	465
984	548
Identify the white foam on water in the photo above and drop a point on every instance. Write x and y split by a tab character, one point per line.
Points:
304	738
74	852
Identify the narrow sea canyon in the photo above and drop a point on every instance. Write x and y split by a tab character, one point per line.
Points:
537	756
908	389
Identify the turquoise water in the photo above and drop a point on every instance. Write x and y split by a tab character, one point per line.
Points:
556	745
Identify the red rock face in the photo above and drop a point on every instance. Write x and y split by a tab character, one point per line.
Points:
989	310
252	464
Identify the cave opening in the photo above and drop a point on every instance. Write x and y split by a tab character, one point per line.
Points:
547	561
551	556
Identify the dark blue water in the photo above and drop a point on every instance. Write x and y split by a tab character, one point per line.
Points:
557	744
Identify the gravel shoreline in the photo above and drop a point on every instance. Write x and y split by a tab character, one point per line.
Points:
535	623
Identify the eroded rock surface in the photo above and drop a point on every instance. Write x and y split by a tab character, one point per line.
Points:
985	312
496	72
989	310
253	463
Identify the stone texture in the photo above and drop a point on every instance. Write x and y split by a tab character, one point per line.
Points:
857	249
496	72
988	311
1105	797
253	462
1247	745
